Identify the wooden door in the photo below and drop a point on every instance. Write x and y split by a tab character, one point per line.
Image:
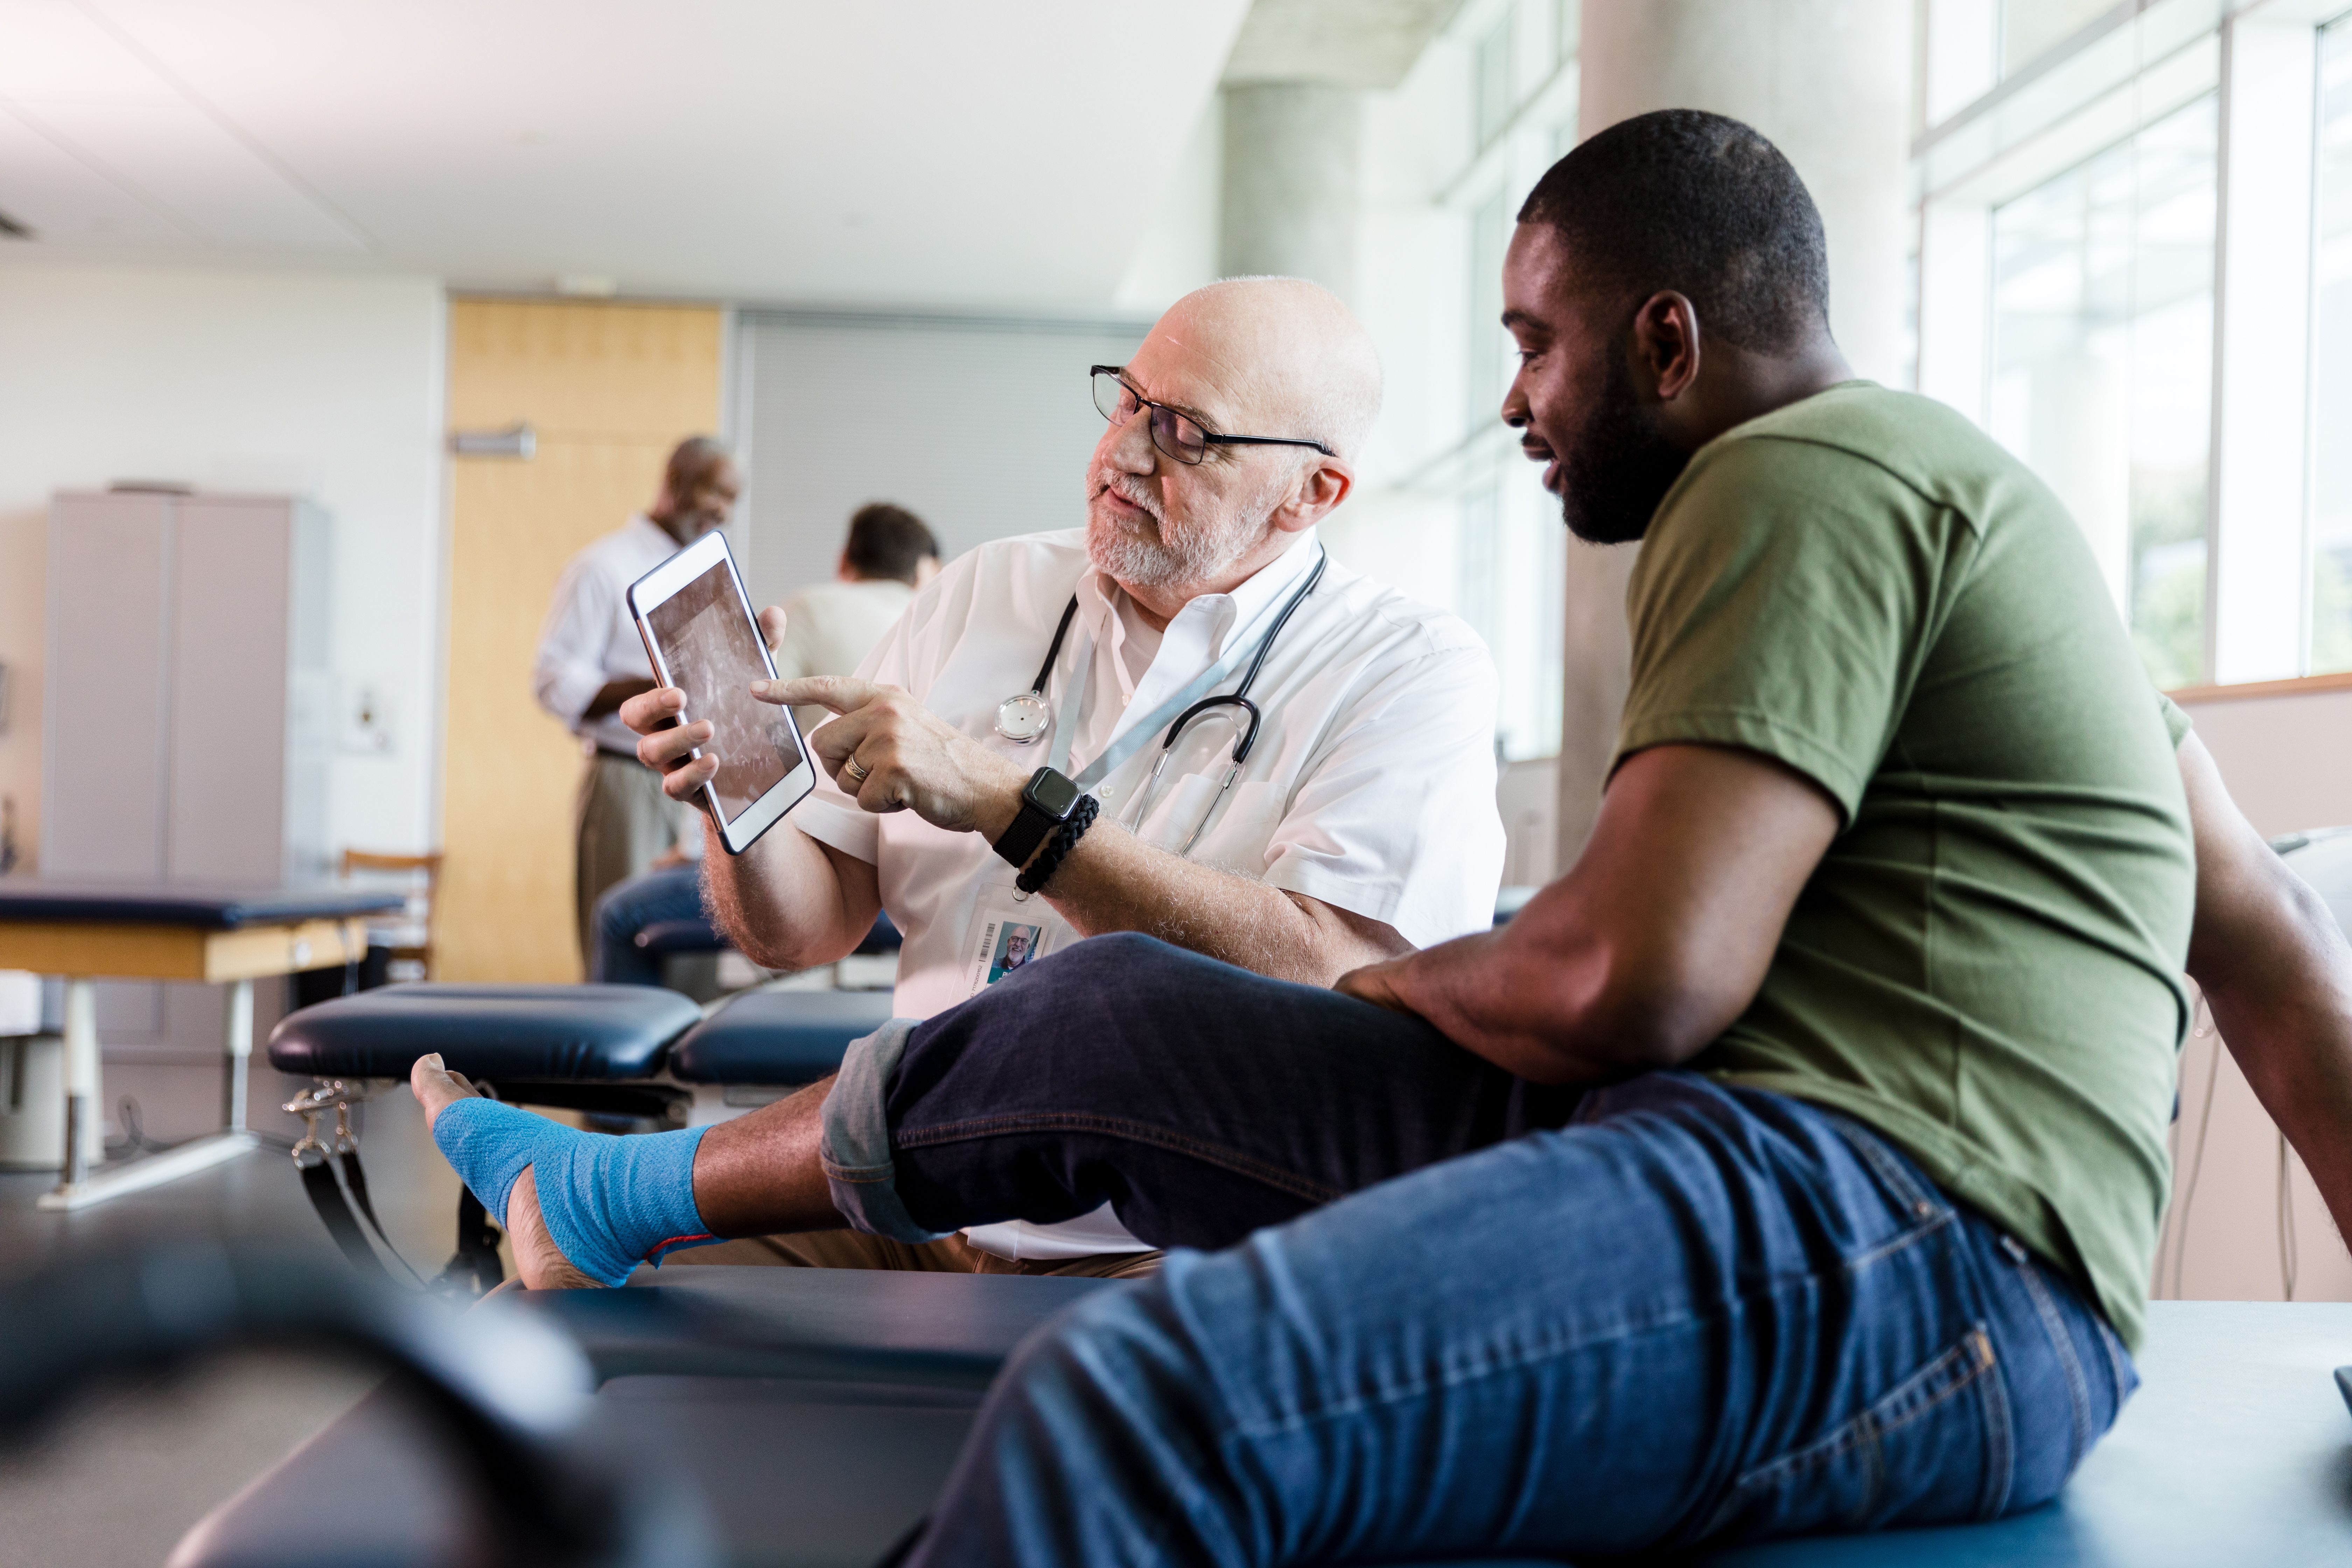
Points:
610	389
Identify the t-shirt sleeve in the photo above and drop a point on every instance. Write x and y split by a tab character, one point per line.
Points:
1396	820
1783	604
2177	723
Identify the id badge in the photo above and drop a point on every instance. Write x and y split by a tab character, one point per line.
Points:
1005	933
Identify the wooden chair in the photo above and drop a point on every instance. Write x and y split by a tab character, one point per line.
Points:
410	937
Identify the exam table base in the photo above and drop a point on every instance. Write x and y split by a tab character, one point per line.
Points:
77	1186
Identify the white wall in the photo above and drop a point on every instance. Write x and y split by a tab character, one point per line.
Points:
2287	761
320	384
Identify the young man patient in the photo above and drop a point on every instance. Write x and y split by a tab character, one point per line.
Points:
1795	1161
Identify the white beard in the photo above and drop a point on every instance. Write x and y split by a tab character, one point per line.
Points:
1139	552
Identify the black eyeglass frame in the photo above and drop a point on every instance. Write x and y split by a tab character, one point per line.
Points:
1117	372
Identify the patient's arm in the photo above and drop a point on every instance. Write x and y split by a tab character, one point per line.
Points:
1651	944
2277	972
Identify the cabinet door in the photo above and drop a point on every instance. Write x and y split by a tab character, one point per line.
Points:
104	764
232	567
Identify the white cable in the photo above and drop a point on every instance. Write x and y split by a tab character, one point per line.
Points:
2288	1259
2203	1030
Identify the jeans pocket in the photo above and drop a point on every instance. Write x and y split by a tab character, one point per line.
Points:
1934	1448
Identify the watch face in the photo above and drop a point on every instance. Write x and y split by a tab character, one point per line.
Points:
1052	793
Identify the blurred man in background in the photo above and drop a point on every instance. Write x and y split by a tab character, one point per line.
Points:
829	629
591	661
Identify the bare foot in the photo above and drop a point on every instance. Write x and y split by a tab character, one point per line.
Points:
538	1259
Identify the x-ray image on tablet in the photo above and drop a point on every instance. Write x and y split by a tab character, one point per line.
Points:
700	633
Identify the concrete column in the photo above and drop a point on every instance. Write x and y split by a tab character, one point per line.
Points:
1292	171
1829	81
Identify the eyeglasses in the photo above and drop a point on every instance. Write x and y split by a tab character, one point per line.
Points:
1177	435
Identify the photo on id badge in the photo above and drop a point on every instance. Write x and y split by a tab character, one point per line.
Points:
1007	933
1016	944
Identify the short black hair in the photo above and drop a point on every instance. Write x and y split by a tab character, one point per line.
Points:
1701	205
887	541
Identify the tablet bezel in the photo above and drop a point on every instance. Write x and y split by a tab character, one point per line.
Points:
657	587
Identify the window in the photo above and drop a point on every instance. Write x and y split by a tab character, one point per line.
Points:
1492	357
1511	559
2330	564
2103	366
2029	28
2135	269
1493	90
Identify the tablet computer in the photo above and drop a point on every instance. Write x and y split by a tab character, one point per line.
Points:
702	639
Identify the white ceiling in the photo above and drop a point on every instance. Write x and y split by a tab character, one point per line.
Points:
934	150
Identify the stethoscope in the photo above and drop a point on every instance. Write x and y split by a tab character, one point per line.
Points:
1024	718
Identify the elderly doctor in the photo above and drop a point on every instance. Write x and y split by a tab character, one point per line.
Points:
1020	729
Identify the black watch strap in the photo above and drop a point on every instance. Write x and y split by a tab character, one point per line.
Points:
1046	791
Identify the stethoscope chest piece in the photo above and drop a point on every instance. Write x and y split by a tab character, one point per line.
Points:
1024	719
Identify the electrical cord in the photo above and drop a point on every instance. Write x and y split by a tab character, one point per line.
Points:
2203	1030
2287	1258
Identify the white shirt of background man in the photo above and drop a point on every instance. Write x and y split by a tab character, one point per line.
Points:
831	627
589	637
1372	787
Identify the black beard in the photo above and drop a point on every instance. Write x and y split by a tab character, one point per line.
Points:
1619	468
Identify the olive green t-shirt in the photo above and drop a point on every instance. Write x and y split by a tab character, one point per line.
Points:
1986	966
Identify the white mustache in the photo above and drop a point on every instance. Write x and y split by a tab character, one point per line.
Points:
1132	490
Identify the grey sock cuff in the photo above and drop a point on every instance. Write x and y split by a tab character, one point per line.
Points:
856	1149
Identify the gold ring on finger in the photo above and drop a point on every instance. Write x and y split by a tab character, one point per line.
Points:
859	773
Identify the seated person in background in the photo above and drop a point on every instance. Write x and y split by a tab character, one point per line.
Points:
830	627
827	629
1795	1161
1361	823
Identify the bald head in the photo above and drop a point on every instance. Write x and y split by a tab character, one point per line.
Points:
699	486
1291	358
1276	358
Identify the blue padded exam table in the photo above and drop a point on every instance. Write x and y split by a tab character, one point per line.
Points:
89	931
833	1431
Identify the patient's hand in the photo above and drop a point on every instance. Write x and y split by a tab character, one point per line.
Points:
538	1259
1374	982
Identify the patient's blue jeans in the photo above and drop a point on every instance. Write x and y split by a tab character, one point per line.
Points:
673	893
1659	1314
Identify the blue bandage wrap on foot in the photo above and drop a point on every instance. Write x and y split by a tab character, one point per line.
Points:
610	1203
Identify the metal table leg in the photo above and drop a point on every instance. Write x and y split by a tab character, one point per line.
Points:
240	1055
76	1187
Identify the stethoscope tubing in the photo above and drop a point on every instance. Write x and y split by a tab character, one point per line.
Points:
1238	698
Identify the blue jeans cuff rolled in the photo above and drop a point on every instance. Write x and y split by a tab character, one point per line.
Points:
855	1147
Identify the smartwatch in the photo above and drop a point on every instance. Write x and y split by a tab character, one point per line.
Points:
1046	804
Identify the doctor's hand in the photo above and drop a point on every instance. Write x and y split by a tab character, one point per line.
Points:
894	754
663	743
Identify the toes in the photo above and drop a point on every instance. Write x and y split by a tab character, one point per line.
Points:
435	1086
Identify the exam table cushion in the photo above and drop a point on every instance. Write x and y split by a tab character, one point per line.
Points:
778	1036
518	1032
198	908
2235	1450
943	1330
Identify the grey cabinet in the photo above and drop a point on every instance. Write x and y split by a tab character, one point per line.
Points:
185	729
